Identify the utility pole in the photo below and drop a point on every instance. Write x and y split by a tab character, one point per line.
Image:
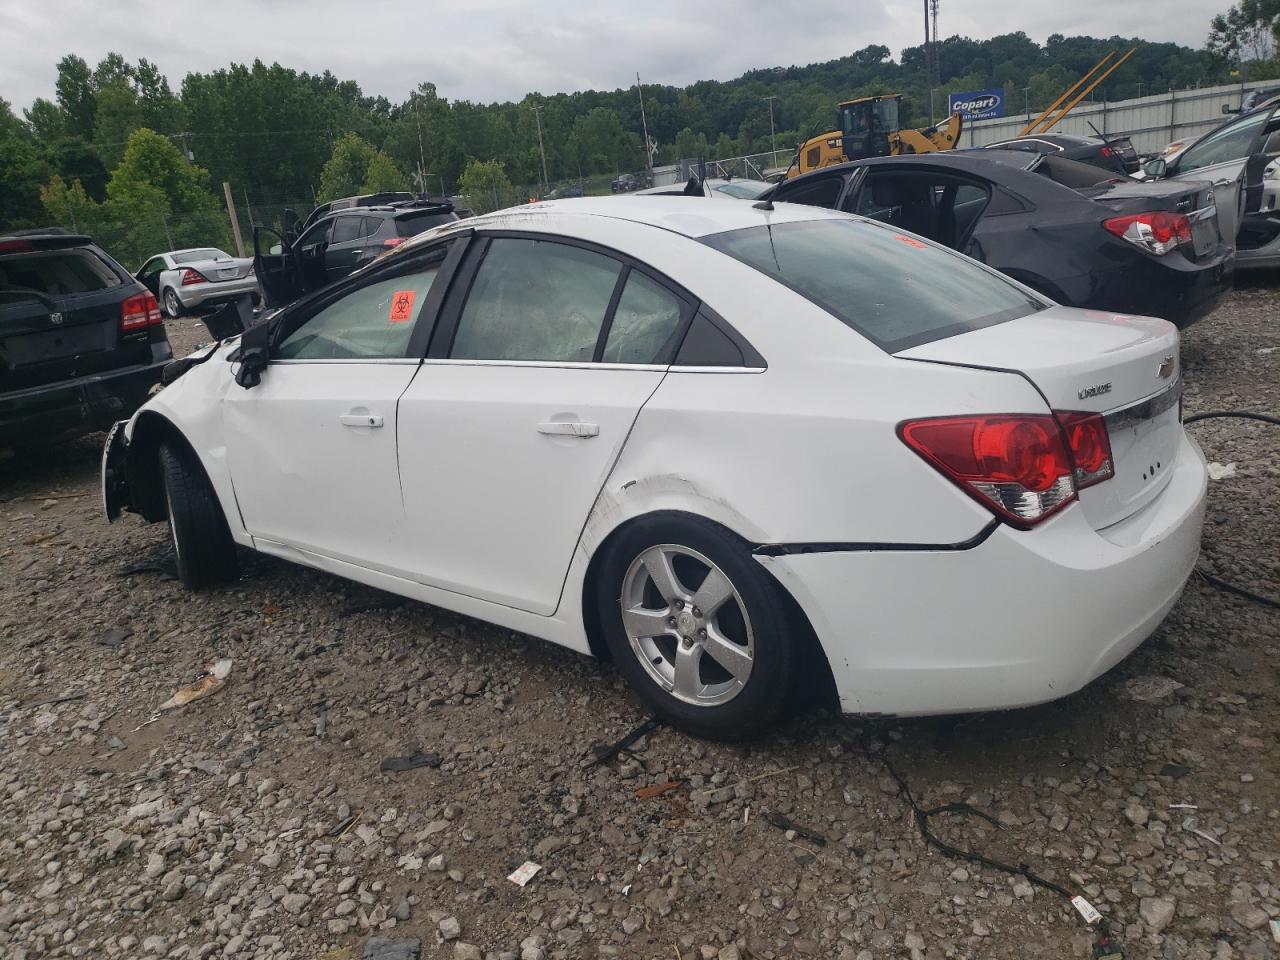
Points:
644	126
538	120
772	136
235	221
422	158
928	61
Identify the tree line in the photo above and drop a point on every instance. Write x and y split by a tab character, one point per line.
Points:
115	140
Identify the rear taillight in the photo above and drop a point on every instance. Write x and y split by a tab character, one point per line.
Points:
391	242
1107	151
1024	467
190	276
1090	447
139	312
1157	231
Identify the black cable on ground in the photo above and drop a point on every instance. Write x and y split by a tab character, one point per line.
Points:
1104	946
1218	582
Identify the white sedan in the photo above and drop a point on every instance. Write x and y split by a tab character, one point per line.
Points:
731	447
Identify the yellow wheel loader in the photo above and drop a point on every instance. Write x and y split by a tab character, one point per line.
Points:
869	128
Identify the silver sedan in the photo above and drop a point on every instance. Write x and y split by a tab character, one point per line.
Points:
185	279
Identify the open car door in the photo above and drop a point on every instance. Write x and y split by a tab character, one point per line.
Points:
276	267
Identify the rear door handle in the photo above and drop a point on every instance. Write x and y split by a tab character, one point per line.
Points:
569	428
360	420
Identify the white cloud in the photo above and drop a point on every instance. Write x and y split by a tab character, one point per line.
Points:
499	49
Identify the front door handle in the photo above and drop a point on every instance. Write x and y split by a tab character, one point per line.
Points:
360	420
569	428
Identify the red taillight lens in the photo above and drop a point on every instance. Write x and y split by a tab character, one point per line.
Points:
392	242
139	312
1107	151
1156	231
1090	447
1016	465
190	276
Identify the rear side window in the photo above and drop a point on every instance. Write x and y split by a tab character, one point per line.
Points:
346	229
645	323
408	225
56	272
818	192
894	289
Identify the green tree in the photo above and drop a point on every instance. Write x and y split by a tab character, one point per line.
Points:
383	174
485	186
1247	31
75	95
67	205
346	169
22	169
156	200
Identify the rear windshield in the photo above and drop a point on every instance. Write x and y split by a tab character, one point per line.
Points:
1073	173
55	272
195	256
409	224
893	288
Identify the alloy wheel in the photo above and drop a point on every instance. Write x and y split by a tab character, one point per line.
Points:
687	625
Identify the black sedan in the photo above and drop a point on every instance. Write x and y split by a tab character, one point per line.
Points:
1113	153
1062	228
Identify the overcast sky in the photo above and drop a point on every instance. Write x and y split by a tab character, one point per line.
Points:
501	49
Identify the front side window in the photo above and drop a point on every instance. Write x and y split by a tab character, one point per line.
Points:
894	289
818	192
1232	142
373	322
536	300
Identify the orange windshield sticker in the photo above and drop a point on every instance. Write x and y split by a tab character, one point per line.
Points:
911	242
401	306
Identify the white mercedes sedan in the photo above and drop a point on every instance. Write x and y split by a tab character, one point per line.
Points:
732	447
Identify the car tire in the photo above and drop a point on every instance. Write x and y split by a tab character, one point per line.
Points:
172	305
724	673
202	544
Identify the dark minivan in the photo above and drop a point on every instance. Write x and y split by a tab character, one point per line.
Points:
81	341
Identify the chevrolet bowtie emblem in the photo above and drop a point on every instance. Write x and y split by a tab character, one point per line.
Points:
1166	368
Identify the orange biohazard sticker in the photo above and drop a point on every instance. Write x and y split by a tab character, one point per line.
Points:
401	306
910	242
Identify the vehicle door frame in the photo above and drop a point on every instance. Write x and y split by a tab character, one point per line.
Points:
164	265
440	342
846	175
340	256
853	192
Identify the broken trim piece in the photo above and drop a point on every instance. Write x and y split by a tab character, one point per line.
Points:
791	549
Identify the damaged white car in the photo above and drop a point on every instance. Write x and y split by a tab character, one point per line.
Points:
734	447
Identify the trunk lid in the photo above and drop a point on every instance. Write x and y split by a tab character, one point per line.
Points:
1123	367
223	268
1195	199
60	318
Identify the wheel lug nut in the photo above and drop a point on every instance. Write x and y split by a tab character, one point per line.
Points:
697	612
702	634
671	621
688	642
678	604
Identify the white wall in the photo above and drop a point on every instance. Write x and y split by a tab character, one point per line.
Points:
1151	121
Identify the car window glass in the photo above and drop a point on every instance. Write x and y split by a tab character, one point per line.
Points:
57	272
818	192
194	256
1272	147
151	268
1003	202
536	300
1232	142
317	234
894	289
645	323
346	229
371	225
369	323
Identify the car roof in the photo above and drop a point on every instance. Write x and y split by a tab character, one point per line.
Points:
973	160
169	253
693	217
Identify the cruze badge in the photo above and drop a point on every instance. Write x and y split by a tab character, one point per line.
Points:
1095	391
1166	367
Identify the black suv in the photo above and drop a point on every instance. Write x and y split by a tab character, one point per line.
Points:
81	341
338	242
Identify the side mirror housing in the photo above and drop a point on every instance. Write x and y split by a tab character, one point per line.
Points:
1156	168
253	353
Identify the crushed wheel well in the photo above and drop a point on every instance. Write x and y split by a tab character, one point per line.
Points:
146	482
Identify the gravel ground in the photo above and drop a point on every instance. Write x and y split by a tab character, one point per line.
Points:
225	828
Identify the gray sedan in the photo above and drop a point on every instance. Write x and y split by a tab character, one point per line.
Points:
185	279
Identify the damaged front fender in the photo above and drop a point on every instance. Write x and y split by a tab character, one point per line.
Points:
115	478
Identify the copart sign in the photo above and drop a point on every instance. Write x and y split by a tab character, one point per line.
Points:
977	104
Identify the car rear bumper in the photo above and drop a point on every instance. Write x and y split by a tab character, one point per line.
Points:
1171	287
198	294
1020	618
81	405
